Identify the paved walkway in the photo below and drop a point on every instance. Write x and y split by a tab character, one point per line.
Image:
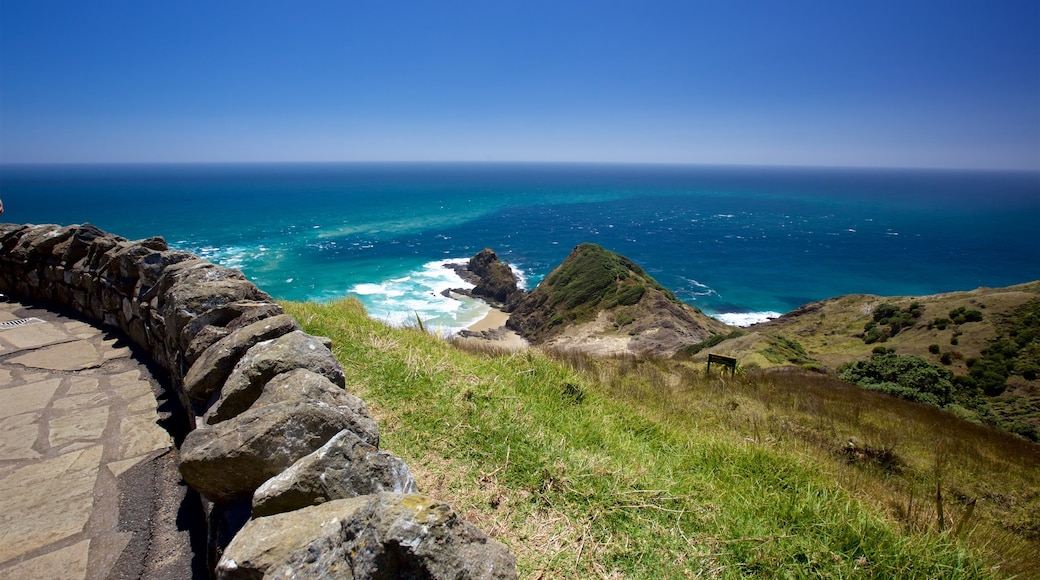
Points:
88	484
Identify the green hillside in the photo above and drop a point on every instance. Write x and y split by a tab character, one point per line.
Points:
985	344
595	284
641	468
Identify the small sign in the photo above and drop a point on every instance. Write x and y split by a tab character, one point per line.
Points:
726	361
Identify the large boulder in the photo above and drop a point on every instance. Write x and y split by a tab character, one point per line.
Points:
212	368
344	467
230	460
300	385
77	247
382	536
267	359
208	335
201	293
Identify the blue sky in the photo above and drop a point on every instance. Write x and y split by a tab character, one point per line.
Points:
881	83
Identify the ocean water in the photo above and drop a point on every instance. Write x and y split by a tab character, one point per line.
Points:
740	243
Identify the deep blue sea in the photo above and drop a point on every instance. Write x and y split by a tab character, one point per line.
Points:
740	243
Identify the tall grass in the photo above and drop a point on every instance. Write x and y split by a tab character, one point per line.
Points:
651	469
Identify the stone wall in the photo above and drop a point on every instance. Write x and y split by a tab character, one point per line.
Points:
288	460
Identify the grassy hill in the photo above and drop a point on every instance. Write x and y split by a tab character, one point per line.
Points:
975	335
596	297
639	468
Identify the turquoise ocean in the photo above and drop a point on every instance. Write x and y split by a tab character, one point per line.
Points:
740	243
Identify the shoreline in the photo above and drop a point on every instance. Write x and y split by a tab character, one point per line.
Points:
491	330
494	319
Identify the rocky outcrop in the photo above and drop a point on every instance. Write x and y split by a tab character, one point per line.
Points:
600	302
386	535
272	410
494	281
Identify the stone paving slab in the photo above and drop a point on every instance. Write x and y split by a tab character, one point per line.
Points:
77	413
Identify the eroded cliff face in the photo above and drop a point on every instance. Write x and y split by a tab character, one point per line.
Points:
600	302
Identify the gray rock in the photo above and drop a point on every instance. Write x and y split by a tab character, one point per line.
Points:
304	385
208	373
265	360
382	536
344	467
80	243
230	460
209	334
199	289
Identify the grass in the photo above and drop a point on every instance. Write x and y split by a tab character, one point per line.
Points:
989	339
590	280
630	468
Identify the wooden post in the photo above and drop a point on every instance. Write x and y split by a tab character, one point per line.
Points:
726	361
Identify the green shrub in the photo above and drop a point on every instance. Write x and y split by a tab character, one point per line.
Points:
630	294
961	315
907	376
933	348
888	320
873	335
623	319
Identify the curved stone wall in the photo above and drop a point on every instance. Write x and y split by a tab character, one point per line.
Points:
278	447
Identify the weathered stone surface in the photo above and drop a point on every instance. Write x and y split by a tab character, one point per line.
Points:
35	243
386	535
231	459
208	335
80	243
263	362
200	290
209	372
344	467
304	385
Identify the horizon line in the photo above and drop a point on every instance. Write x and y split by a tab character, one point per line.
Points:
514	162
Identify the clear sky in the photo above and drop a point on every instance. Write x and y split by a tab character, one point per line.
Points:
873	83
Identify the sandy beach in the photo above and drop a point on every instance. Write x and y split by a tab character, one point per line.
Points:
495	320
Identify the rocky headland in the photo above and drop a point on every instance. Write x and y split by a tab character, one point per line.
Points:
596	302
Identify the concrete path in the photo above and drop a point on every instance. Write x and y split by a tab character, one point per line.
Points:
88	481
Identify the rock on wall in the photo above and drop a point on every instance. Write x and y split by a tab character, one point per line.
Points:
280	448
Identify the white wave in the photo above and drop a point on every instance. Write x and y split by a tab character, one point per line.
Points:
420	293
696	288
366	289
745	318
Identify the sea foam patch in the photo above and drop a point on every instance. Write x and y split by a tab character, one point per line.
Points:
419	295
745	318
